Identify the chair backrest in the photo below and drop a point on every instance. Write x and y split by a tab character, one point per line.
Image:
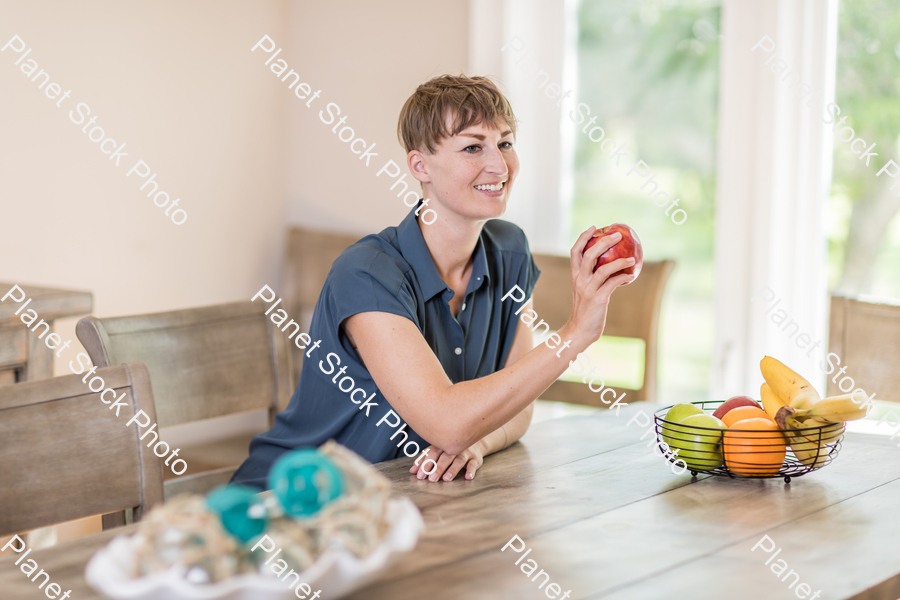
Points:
633	313
866	337
65	455
310	254
204	362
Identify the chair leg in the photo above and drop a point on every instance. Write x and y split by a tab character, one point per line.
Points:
116	519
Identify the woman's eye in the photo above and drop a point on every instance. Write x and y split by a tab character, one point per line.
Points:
506	145
473	148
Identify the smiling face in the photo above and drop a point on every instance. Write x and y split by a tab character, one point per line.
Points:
470	173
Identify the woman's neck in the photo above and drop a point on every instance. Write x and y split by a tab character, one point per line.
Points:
451	244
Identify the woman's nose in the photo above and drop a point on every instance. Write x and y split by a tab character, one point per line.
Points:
496	163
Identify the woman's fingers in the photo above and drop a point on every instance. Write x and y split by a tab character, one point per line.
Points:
437	470
578	249
458	463
613	282
609	269
433	452
447	466
472	467
593	253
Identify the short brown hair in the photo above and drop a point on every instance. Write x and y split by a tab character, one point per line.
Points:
472	100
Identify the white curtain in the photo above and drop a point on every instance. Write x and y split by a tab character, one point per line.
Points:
773	174
545	35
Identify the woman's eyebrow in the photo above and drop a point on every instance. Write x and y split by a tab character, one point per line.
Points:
481	138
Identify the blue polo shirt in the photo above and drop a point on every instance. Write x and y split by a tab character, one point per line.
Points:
393	272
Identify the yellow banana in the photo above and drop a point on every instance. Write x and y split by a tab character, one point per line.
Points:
770	400
814	422
828	433
836	409
797	408
810	453
811	446
788	385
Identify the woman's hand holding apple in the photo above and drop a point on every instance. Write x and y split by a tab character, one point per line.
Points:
591	289
629	247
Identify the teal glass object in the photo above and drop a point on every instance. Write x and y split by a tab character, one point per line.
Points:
304	481
242	512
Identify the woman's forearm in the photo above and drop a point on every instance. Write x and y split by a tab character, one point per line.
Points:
508	433
488	403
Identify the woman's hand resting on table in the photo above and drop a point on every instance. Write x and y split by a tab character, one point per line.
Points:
449	465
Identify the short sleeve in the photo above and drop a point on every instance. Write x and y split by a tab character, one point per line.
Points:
361	281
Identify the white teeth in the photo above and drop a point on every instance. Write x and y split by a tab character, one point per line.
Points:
492	188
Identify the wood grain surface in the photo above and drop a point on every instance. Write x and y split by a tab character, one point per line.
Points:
608	519
24	355
204	362
66	455
49	303
865	336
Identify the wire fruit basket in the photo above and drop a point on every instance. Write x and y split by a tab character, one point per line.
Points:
747	453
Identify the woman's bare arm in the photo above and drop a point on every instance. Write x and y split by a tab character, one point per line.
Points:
455	416
517	426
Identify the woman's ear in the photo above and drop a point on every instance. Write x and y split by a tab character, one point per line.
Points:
418	166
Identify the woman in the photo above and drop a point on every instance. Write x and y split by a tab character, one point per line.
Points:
416	313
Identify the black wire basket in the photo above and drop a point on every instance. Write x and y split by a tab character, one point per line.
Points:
745	453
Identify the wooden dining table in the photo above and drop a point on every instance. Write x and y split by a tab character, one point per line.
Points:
605	517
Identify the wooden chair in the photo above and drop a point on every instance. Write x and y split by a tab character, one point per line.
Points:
66	456
866	337
203	362
310	254
633	313
24	354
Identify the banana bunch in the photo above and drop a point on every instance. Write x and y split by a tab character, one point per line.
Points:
796	407
785	383
808	442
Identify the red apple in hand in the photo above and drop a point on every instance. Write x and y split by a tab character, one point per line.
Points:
628	247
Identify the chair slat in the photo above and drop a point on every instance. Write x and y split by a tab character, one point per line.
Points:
65	455
866	337
633	313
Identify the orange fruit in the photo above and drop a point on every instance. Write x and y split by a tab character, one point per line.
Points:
744	412
754	447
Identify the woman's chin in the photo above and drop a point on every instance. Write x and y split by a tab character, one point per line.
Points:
493	209
479	211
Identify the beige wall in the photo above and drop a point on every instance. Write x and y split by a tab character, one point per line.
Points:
367	57
176	82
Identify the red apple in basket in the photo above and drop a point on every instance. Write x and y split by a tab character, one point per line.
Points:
628	247
734	402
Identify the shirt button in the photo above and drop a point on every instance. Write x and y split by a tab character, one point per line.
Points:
464	306
458	351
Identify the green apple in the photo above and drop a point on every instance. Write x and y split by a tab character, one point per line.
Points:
700	449
677	414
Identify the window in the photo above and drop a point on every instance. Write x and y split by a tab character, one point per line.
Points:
648	70
863	228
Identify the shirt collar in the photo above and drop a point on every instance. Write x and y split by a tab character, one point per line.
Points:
416	253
